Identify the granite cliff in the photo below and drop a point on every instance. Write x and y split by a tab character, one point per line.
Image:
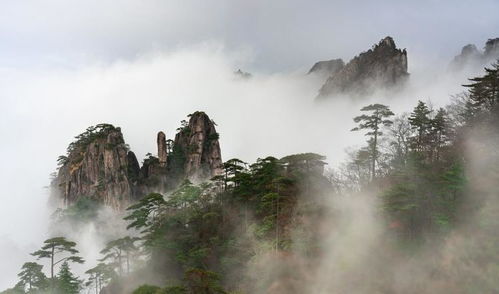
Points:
383	66
327	67
100	165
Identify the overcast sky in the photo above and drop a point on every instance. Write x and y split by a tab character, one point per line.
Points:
145	64
279	34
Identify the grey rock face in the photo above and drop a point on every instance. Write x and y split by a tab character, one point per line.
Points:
328	67
198	141
100	165
382	66
491	49
162	152
97	166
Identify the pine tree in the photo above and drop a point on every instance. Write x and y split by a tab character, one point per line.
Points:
119	251
100	276
32	277
67	282
54	247
377	118
484	90
440	131
420	122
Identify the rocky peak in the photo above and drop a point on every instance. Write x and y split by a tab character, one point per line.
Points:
162	150
327	67
100	165
197	140
492	48
382	66
97	166
388	42
469	50
242	74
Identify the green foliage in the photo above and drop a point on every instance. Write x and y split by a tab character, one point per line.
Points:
147	289
52	248
67	282
484	91
83	210
119	252
83	140
31	278
373	122
16	290
213	136
100	275
144	210
203	282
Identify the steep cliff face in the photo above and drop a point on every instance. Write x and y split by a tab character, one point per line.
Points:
198	147
100	165
327	67
470	56
162	152
382	66
97	166
492	49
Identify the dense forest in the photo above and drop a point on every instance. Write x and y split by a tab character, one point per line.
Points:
429	177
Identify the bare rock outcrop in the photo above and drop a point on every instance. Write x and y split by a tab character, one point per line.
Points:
198	147
97	166
100	165
382	66
491	50
162	152
327	67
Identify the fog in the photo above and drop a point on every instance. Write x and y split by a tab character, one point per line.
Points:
282	34
268	114
65	66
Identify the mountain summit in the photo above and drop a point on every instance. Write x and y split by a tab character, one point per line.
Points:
382	66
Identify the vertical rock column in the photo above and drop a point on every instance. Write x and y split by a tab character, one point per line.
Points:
162	152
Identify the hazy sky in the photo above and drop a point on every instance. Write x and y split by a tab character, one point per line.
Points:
279	34
145	64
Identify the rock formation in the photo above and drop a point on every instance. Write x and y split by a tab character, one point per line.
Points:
242	74
198	142
382	66
469	53
100	165
327	67
97	166
162	152
470	56
492	49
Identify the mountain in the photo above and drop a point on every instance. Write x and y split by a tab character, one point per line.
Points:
327	67
382	66
101	166
470	56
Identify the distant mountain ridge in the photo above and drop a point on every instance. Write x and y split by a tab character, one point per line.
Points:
471	56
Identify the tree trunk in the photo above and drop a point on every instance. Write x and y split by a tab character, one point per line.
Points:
52	268
375	155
